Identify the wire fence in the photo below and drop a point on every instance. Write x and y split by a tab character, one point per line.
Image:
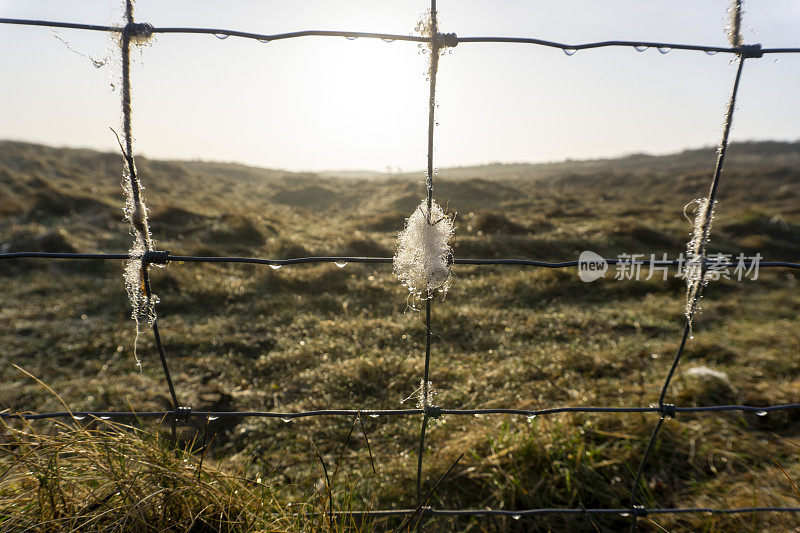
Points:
436	41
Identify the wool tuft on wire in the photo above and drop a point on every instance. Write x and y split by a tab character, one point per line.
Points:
423	257
734	25
695	274
143	304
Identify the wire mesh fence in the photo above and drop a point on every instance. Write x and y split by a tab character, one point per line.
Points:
143	255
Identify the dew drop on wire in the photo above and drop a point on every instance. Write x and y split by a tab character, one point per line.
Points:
712	52
569	51
287	420
79	417
624	515
105	418
212	418
761	413
265	41
640	47
664	49
351	38
387	40
530	417
516	517
275	267
221	36
340	264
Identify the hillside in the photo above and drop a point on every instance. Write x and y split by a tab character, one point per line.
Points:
319	337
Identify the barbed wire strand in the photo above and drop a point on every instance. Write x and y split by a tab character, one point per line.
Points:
697	294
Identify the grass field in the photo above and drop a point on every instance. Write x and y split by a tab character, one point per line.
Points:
321	337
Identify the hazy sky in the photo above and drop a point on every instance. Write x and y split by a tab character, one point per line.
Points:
331	103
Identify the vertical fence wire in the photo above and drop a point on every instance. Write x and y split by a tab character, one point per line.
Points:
127	131
696	295
425	391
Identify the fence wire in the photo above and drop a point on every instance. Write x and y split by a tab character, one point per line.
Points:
435	41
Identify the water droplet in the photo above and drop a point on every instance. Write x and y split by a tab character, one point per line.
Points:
530	417
79	418
351	38
624	515
374	415
212	418
516	517
664	49
387	40
761	413
221	36
569	51
265	40
341	264
287	420
105	418
275	267
640	47
712	52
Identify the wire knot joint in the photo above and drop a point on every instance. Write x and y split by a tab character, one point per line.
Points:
433	411
668	410
155	257
750	51
140	30
446	40
182	413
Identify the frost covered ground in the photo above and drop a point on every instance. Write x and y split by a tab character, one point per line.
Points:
312	337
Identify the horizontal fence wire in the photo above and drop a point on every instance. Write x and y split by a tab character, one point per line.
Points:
433	412
436	41
349	259
264	37
623	512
